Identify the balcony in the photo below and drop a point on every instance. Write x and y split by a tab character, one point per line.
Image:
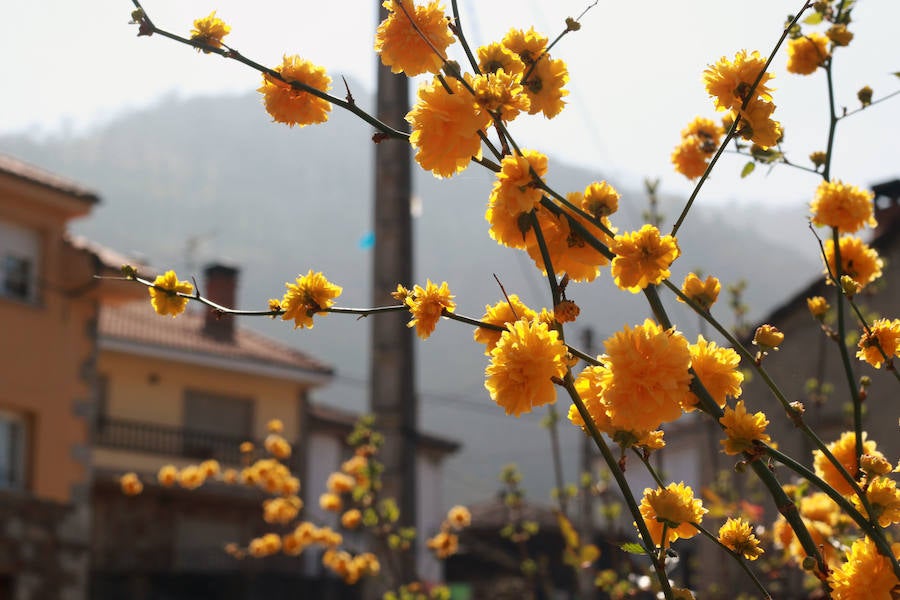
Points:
139	436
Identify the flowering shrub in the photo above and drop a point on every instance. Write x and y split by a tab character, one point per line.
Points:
838	525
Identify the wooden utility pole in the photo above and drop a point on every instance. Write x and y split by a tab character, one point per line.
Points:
392	366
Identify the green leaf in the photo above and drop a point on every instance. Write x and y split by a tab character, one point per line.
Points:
633	548
896	73
748	168
813	19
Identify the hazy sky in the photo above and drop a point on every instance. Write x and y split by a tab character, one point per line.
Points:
635	73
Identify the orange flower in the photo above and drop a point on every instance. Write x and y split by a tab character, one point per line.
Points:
807	53
742	429
493	57
501	93
527	45
844	206
737	536
131	484
600	199
523	365
544	86
887	335
642	258
672	509
767	337
729	81
444	544
501	314
513	196
844	450
427	306
403	48
311	294
292	106
865	575
757	124
699	141
445	127
717	369
703	293
858	261
650	363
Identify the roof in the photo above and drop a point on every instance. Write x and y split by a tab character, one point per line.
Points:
321	417
22	170
135	328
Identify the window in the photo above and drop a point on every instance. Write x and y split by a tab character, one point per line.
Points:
13	428
19	254
215	424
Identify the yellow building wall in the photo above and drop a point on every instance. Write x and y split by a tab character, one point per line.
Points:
47	348
152	390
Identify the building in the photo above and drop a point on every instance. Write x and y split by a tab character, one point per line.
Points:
49	305
93	384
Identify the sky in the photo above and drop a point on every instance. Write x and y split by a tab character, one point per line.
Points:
635	74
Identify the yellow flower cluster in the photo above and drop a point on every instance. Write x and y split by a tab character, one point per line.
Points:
844	450
883	336
446	543
859	261
730	82
351	568
737	536
642	258
742	429
865	575
413	39
807	53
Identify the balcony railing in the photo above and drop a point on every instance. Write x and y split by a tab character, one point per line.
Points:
139	436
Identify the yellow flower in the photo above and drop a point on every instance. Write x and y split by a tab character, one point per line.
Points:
673	509
210	468
844	206
459	517
340	483
527	45
742	429
311	294
820	507
717	369
501	93
501	314
544	86
839	34
703	293
163	294
495	56
167	475
209	31
887	334
807	53
570	253
884	497
513	196
291	106
444	544
191	477
767	337
867	575
757	124
844	450
647	363
523	365
689	158
131	484
445	127
275	426
858	261
427	305
818	306
600	199
729	81
737	536
351	519
402	48
642	258
699	141
277	446
331	502
281	510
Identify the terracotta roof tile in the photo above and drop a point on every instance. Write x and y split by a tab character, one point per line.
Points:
136	322
23	170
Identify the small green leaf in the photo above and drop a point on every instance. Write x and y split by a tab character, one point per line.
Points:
748	168
813	19
896	73
633	548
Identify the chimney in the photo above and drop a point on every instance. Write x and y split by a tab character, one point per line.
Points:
221	288
887	206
